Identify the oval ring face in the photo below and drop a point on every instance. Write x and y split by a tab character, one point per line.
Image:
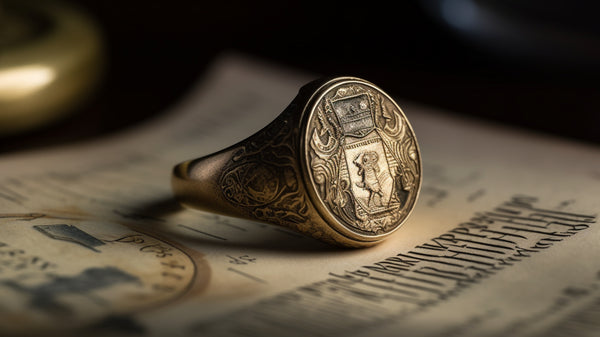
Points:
362	159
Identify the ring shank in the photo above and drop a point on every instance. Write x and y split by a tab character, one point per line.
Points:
195	184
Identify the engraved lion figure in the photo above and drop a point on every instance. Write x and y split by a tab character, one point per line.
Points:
368	170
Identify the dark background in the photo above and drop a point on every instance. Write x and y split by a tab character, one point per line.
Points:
531	64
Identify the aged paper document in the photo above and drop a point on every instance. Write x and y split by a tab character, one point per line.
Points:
503	242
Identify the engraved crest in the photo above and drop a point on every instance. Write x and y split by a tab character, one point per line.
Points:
363	158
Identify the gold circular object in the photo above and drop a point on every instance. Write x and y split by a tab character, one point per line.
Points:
51	58
340	164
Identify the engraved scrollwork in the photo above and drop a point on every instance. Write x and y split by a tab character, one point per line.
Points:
334	189
263	178
392	124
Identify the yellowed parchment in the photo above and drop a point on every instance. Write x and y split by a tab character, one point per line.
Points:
503	240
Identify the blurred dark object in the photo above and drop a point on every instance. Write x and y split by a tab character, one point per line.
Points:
549	33
50	60
526	64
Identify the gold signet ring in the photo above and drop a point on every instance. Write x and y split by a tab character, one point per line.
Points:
340	164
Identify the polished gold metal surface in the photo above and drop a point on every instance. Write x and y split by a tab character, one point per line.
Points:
341	164
51	57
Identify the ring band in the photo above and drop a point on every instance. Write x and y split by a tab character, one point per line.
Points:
340	164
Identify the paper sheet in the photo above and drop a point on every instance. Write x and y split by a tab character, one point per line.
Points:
504	239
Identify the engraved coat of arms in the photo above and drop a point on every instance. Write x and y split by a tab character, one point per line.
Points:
363	157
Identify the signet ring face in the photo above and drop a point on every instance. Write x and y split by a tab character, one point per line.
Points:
340	164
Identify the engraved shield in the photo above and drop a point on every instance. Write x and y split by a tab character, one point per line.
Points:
369	173
366	159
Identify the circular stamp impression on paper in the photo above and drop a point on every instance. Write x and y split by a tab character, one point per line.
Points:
362	158
59	275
